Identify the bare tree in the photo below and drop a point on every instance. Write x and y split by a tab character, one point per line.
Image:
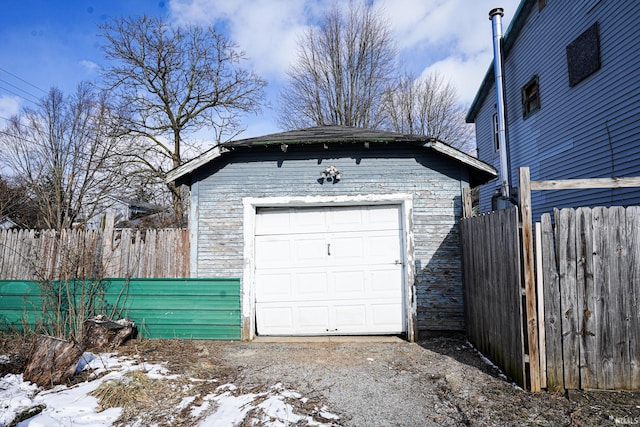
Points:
63	155
173	81
427	106
342	69
16	203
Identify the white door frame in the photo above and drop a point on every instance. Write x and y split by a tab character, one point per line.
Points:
251	205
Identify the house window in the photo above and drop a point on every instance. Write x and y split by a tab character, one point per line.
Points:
530	97
541	4
496	140
583	55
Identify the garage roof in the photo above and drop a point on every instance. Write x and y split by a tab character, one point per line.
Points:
329	135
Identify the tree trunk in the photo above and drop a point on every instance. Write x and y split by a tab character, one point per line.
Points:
52	361
102	333
178	206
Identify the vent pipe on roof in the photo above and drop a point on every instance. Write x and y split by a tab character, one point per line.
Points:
495	15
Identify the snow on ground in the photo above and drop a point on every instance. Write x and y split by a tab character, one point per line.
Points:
66	406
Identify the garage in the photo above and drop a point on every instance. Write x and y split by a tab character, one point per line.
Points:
329	270
333	230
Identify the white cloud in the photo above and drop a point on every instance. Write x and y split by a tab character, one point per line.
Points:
266	30
450	36
9	106
465	73
453	36
90	66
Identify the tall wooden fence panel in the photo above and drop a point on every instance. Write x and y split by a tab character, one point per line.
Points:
53	255
591	274
493	296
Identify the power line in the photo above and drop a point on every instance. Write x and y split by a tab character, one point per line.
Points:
22	80
20	89
17	94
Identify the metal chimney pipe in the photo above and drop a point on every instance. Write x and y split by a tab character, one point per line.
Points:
495	15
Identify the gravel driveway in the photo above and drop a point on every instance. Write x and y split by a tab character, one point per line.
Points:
437	382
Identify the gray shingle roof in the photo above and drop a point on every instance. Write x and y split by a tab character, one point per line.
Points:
329	135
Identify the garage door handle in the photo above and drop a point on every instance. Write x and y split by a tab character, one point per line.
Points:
329	249
398	262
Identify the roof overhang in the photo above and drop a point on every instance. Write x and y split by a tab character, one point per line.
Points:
329	136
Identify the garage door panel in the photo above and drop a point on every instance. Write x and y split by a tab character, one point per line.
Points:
308	251
350	318
348	284
386	316
273	252
381	217
275	287
310	286
275	319
312	319
345	249
337	272
383	282
273	222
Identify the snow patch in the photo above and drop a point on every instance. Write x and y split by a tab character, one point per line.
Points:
75	406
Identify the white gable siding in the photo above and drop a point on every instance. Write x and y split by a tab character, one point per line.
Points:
579	130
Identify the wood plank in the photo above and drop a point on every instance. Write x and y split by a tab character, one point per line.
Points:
586	303
587	183
620	290
553	327
540	294
633	230
604	347
467	208
528	276
566	244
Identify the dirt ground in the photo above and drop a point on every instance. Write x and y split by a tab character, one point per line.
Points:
440	381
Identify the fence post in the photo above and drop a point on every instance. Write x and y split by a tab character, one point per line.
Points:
524	195
107	246
467	205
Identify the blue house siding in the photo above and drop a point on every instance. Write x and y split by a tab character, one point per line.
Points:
586	131
435	182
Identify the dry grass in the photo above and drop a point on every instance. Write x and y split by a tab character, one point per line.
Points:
133	386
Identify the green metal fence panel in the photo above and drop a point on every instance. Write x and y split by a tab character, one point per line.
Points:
161	308
20	304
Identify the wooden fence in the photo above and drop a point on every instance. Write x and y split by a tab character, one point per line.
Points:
591	275
493	299
580	305
52	255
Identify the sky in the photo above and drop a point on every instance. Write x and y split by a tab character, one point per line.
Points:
47	43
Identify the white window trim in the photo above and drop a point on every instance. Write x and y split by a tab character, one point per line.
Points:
251	204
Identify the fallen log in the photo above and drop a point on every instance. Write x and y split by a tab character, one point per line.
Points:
101	333
52	361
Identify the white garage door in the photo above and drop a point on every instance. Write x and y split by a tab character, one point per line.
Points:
330	270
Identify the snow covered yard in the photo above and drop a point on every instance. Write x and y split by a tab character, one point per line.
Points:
108	376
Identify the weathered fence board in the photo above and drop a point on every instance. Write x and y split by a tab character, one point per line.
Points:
552	309
591	288
51	255
587	315
633	223
491	263
566	245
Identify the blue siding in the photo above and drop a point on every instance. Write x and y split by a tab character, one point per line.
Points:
434	180
589	130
